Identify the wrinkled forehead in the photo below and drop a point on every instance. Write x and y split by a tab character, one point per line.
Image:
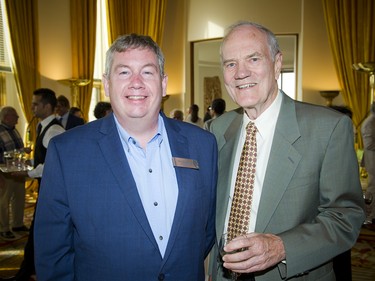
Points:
244	40
245	34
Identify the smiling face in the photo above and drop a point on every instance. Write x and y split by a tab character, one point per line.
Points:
135	86
250	73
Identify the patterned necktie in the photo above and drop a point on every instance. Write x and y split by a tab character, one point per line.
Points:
243	191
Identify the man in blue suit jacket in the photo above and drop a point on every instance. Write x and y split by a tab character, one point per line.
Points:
130	196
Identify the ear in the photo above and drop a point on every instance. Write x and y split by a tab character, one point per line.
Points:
105	82
278	64
164	83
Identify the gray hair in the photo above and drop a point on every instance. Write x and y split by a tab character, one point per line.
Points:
271	38
133	41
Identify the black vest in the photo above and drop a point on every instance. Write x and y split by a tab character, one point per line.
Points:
40	151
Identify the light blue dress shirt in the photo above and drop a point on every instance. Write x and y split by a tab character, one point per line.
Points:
155	176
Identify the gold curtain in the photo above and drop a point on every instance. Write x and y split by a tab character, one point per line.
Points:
351	32
136	16
3	100
83	32
23	28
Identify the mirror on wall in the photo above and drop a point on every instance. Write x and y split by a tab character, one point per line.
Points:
207	79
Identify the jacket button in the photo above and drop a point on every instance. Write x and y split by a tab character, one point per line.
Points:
161	277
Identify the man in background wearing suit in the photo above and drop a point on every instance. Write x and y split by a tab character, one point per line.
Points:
307	204
130	196
368	136
67	119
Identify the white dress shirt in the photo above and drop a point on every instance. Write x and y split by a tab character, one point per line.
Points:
54	130
266	124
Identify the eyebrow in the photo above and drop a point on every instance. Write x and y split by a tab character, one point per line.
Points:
255	54
146	65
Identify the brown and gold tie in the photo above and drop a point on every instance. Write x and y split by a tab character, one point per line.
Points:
243	191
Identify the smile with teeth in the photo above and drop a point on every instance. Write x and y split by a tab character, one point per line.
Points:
246	86
136	97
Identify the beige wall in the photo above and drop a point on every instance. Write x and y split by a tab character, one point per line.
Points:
174	51
55	44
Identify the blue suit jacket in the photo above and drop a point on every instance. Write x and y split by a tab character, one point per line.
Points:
90	223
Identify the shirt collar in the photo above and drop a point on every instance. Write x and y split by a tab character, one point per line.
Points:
266	122
47	120
65	116
126	137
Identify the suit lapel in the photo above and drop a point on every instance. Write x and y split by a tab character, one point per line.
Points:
282	163
112	150
179	148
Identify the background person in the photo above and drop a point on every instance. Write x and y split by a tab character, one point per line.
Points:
193	116
217	109
177	114
307	204
76	111
43	107
102	109
368	136
68	120
133	194
12	190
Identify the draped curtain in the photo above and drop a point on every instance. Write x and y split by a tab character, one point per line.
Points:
23	28
2	89
83	32
136	16
351	32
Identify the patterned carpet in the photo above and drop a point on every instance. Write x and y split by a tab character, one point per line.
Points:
363	253
11	252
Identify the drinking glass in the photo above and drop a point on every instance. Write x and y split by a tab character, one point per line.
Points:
8	159
223	241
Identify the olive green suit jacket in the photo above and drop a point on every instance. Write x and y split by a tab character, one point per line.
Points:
311	194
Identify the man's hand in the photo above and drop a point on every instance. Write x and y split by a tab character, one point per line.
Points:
256	252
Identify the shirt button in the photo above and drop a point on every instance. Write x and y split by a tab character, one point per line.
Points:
160	237
156	203
150	170
161	277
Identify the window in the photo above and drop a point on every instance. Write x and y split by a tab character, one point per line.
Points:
4	54
101	48
287	83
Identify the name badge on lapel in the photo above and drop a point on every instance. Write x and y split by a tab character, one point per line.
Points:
185	163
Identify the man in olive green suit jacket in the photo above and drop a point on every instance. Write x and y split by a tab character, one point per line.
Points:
309	201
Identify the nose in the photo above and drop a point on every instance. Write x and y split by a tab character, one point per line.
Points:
136	81
242	71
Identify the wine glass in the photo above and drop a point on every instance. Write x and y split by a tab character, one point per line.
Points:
368	197
8	159
223	241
